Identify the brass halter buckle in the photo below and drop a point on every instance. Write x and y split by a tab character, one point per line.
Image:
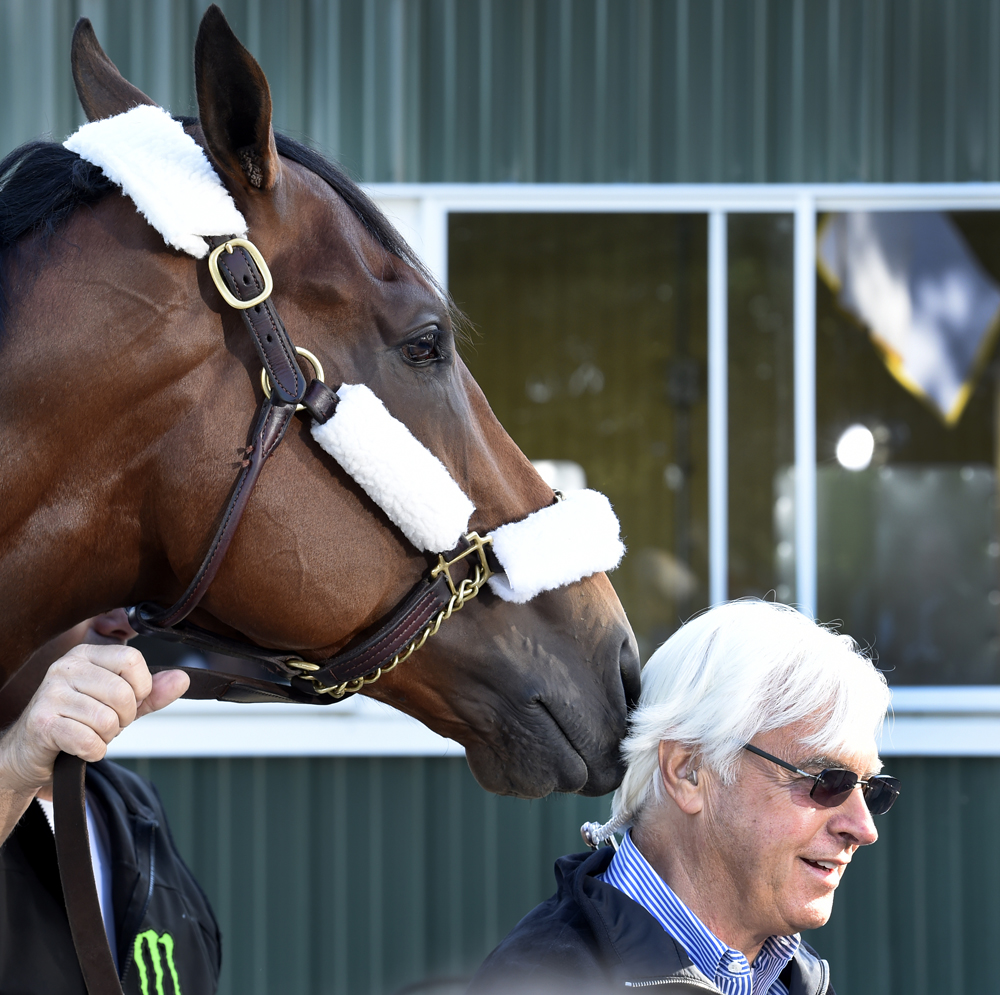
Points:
213	269
477	545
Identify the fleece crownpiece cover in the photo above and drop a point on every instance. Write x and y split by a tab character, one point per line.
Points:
557	545
164	172
404	478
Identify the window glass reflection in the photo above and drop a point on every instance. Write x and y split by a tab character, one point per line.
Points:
591	347
761	399
907	529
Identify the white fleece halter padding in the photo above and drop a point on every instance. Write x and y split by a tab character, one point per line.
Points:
404	478
164	172
557	545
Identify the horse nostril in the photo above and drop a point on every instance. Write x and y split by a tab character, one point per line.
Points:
630	669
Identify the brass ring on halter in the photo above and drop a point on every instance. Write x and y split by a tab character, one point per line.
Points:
265	380
227	296
302	665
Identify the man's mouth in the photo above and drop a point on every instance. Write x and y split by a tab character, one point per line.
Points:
827	868
828	865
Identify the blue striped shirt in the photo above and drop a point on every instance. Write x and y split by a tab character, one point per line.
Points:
630	873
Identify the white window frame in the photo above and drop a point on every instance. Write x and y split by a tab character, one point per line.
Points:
928	721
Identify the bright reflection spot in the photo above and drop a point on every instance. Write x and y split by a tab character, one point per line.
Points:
855	448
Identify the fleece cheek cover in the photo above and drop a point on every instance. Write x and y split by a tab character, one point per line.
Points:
404	478
557	545
164	172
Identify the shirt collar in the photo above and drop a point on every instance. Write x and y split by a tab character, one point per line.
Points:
630	873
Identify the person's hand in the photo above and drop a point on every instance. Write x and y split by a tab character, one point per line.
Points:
86	698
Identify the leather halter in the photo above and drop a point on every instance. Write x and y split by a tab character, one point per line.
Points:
242	278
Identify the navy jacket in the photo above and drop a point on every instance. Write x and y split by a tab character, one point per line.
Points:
167	937
591	938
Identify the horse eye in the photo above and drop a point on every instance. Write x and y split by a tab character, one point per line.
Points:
422	350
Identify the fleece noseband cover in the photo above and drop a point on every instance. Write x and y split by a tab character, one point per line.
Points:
173	185
557	545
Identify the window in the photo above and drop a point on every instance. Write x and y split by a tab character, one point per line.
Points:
905	552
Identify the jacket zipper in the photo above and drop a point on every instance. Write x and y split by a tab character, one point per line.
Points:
824	984
127	963
672	981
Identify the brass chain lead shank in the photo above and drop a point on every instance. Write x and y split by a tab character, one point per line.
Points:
460	595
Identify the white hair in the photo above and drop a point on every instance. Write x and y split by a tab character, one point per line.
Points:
738	670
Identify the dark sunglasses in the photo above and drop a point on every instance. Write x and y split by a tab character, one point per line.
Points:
833	786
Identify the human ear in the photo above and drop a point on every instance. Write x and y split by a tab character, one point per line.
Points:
680	777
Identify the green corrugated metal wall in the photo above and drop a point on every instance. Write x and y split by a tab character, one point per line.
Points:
568	90
350	877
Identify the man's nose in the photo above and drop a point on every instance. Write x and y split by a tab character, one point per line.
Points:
113	625
852	818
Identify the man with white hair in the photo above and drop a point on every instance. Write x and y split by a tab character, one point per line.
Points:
754	728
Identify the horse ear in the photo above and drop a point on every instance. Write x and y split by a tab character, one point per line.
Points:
102	90
234	103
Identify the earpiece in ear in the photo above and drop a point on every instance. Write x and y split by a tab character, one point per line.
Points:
692	777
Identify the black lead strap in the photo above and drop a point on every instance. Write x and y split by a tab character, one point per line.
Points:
83	908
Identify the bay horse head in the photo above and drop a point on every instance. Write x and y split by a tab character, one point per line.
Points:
128	386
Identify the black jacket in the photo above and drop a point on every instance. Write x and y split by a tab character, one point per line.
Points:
163	920
591	938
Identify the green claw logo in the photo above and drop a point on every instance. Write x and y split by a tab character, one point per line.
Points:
153	941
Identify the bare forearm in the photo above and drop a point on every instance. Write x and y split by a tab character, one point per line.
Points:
16	789
13	804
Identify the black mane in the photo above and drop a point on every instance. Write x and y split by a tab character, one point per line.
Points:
42	183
